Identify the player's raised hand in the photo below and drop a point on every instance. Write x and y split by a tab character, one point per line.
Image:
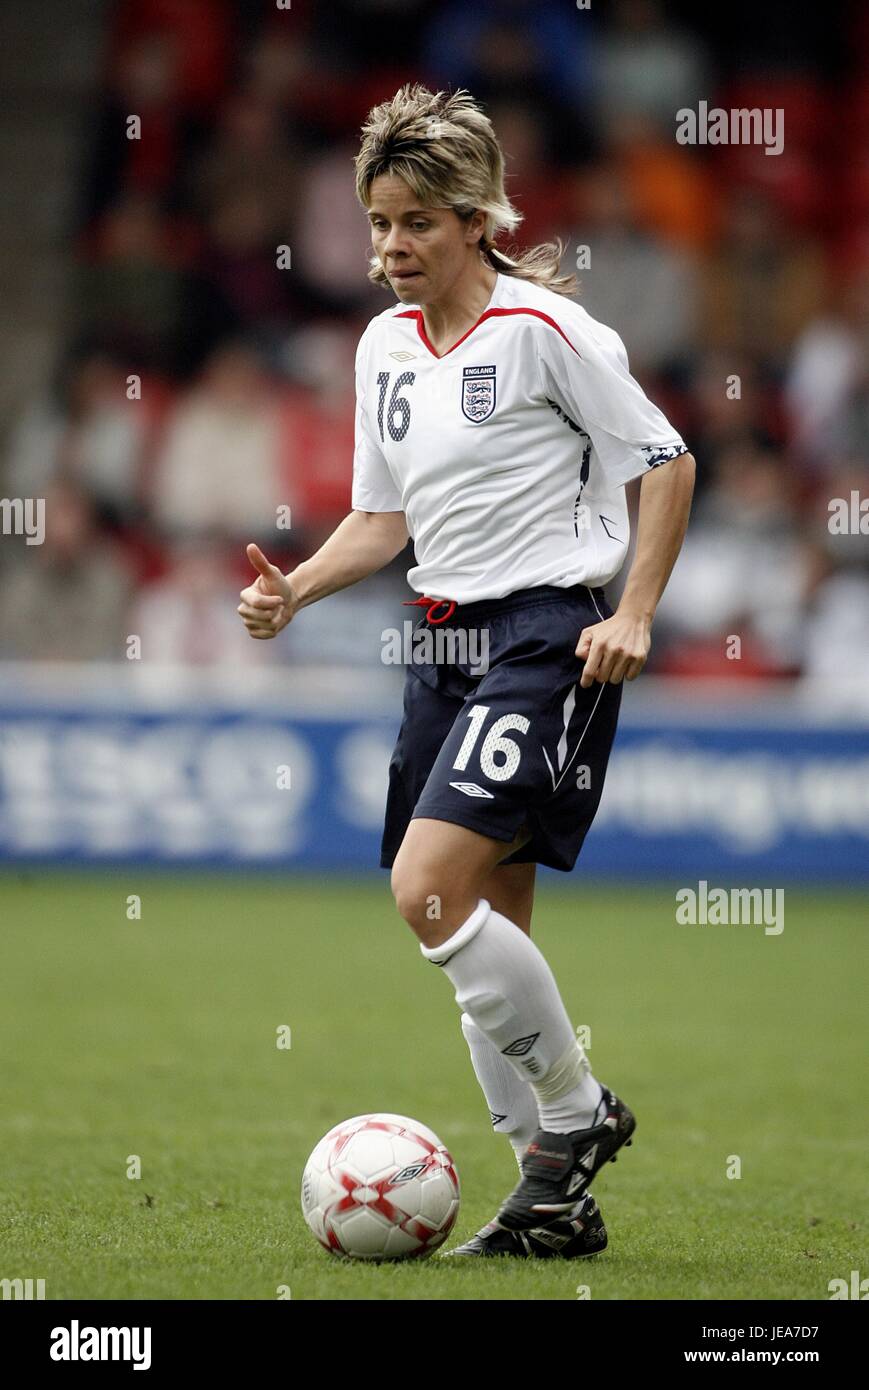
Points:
614	650
270	602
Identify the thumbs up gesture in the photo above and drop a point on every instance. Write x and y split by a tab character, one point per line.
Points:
270	602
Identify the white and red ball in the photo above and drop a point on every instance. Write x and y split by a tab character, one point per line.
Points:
380	1187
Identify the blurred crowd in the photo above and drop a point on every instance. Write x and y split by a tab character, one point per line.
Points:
205	393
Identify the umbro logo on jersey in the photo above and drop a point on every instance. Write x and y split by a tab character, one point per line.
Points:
471	789
478	393
403	356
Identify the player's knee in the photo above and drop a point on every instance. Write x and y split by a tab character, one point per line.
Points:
411	897
432	906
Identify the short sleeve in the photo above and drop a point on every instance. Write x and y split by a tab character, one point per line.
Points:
592	384
374	488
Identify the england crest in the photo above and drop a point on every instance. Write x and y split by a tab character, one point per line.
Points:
478	393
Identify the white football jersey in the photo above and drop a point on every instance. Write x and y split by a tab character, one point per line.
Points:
509	454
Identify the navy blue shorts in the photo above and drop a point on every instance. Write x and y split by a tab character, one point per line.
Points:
516	746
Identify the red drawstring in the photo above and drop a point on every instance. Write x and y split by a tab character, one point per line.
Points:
433	603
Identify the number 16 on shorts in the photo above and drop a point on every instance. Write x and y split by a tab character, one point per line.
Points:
494	743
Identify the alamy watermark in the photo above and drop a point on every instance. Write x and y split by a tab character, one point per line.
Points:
77	1343
705	906
420	644
855	1288
23	516
849	516
740	126
24	1289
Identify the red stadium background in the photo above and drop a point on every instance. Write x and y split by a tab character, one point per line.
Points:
157	256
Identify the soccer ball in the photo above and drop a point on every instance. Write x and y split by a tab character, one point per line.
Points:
380	1187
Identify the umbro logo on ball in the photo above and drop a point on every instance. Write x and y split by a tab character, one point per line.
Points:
413	1170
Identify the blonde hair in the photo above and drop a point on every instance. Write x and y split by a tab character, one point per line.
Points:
444	147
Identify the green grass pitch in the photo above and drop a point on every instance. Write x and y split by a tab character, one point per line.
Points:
157	1038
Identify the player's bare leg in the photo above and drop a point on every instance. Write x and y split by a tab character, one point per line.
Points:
509	996
511	1101
439	873
510	890
502	980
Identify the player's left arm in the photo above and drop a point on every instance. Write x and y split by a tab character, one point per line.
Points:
617	648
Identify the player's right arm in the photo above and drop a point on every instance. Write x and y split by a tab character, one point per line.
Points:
362	544
366	540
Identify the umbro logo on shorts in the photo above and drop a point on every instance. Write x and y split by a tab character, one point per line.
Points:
471	789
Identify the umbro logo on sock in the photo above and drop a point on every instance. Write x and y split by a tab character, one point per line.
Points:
520	1046
471	789
496	1119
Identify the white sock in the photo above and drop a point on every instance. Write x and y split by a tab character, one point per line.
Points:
503	982
511	1101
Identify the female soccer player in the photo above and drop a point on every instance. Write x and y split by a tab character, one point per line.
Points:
497	424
